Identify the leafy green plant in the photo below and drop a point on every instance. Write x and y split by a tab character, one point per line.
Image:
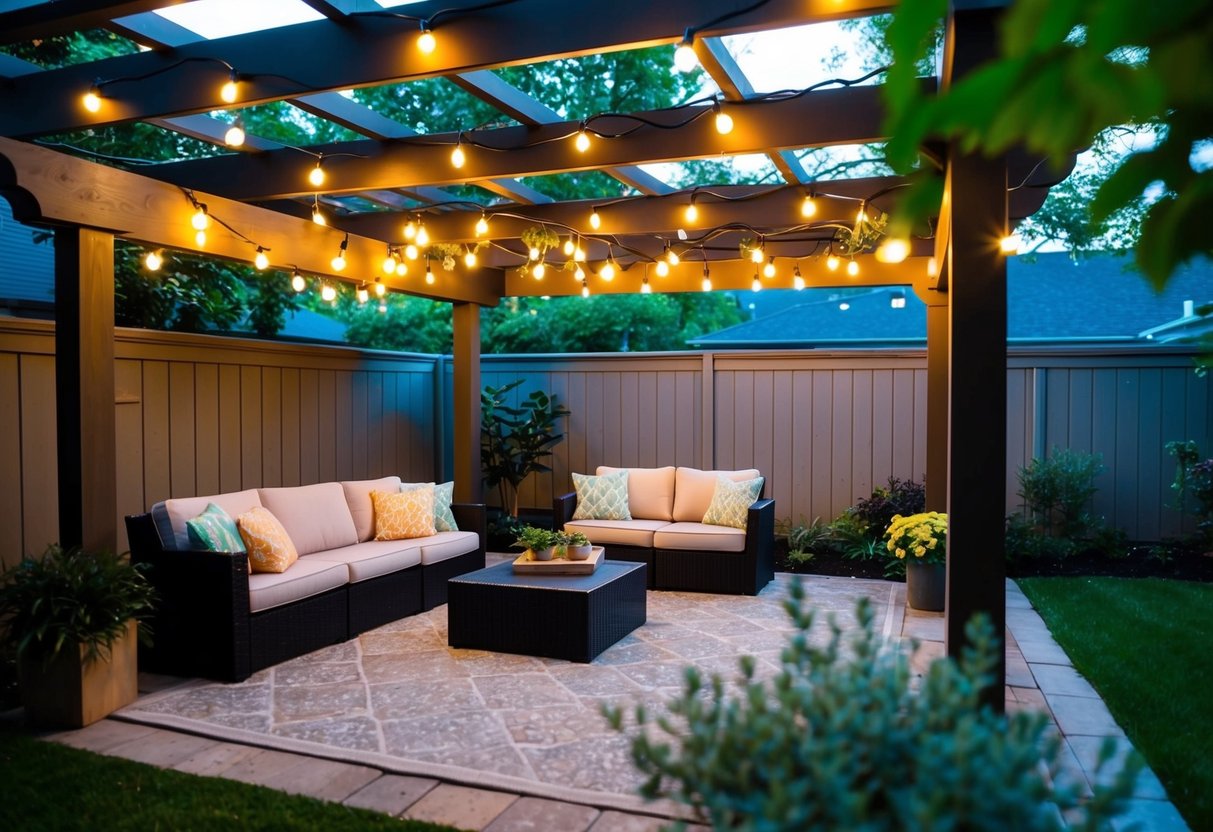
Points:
838	740
804	540
535	538
1193	479
513	440
1057	491
898	497
1023	542
68	597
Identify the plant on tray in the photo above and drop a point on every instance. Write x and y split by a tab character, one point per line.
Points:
538	542
838	740
573	545
69	616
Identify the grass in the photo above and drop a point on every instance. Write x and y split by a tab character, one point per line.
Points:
50	786
1144	643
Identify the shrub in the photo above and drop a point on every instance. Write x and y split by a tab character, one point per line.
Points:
1057	490
899	497
842	743
1193	478
805	540
1024	541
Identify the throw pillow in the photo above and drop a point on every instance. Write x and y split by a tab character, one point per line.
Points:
214	530
444	518
269	546
404	514
731	502
602	498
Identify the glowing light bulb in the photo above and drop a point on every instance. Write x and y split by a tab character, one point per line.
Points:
389	264
200	220
338	263
692	212
595	220
797	279
429	275
578	254
229	90
153	261
808	208
363	294
672	257
663	268
893	250
297	282
932	267
861	216
410	251
410	229
316	175
469	259
769	269
685	59
328	293
382	308
1010	244
756	285
832	263
706	285
756	254
582	142
91	100
534	253
200	238
423	236
318	216
568	247
234	137
402	269
458	157
585	289
482	226
607	272
645	288
724	123
426	41
579	273
380	288
853	268
261	261
539	271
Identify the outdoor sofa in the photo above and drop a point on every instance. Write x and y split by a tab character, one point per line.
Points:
666	532
216	620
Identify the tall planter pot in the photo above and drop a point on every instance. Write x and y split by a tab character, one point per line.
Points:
925	585
71	692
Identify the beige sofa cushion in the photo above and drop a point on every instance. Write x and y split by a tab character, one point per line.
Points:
170	515
373	558
617	532
693	490
315	516
447	545
699	537
650	491
305	578
358	499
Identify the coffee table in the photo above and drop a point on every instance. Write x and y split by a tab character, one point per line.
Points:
573	617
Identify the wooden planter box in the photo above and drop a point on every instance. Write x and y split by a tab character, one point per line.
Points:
72	693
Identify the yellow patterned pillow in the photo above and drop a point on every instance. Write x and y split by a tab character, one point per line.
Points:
403	514
269	546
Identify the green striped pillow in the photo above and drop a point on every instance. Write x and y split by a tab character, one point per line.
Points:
215	531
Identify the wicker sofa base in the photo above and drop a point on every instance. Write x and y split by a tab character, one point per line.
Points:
281	633
436	575
633	554
377	601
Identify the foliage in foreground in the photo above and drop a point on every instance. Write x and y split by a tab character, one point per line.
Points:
837	740
1144	644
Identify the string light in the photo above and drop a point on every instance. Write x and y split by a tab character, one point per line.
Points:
568	247
230	90
539	270
318	215
382	308
832	263
429	274
200	238
153	261
585	289
808	207
578	253
458	157
338	262
234	137
706	285
582	142
769	269
672	257
853	268
410	229
363	294
893	250
423	236
607	272
663	268
534	253
410	251
402	269
932	267
297	281
482	225
469	259
579	274
724	121
595	220
389	262
692	211
756	284
645	288
328	293
200	220
91	100
261	261
1010	244
316	175
426	41
685	59
797	278
380	288
756	253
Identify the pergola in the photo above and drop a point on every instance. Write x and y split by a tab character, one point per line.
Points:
262	197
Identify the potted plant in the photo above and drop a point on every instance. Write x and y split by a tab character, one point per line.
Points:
539	542
573	545
920	541
513	440
70	617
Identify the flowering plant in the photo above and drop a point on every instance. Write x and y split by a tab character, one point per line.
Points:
920	536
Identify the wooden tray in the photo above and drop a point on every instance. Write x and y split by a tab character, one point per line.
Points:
523	565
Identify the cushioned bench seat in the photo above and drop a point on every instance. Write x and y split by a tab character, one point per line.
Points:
700	537
371	559
617	532
306	578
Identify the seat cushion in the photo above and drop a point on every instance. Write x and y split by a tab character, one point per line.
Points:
170	516
699	537
447	545
305	578
373	557
214	530
650	491
315	516
617	532
693	490
358	498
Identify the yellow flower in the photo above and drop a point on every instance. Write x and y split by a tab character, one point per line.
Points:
919	551
901	553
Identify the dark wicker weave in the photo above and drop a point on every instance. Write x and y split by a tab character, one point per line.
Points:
572	617
436	575
389	597
727	573
282	633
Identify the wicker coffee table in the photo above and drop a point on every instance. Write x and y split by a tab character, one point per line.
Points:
573	617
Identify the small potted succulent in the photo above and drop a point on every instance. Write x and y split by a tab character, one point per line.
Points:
574	546
539	542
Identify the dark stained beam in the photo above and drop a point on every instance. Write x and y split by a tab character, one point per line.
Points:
825	117
153	31
62	17
212	130
365	50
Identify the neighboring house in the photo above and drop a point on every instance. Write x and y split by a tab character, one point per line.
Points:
27	269
1051	300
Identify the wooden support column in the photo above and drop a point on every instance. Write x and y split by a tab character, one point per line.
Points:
84	388
937	404
466	429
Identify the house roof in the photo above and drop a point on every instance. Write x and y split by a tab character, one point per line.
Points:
1051	298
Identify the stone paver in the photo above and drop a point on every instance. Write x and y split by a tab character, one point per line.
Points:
1151	815
165	749
102	736
1061	679
620	822
534	814
323	779
1086	751
262	766
210	762
460	806
1080	715
391	793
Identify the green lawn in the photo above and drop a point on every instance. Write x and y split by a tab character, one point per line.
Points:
1146	644
49	786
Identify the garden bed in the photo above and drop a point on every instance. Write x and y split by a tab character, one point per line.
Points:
1189	565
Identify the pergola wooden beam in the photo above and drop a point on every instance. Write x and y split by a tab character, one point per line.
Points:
46	187
43	20
825	117
362	50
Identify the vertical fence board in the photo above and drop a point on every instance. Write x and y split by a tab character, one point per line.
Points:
861	433
840	464
181	413
823	441
128	438
230	467
1127	388
39	449
11	518
206	430
157	477
290	426
359	468
309	427
271	427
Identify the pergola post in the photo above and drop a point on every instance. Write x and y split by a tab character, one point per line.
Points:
84	388
937	403
465	432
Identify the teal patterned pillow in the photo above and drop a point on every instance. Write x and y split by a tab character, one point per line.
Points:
444	518
731	502
602	498
215	531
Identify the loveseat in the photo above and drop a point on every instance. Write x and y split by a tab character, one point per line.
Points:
215	619
666	531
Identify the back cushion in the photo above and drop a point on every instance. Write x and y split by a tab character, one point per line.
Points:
315	516
650	491
693	490
170	516
358	498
